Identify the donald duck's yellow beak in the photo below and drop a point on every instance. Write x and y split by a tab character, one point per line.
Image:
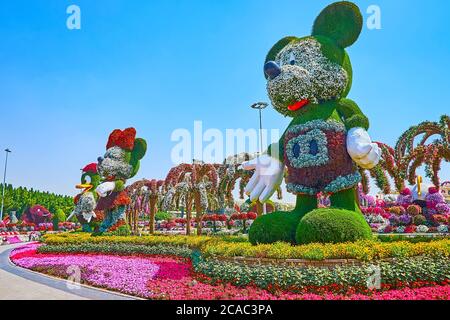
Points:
87	187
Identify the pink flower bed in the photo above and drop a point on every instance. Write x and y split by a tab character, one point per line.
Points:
125	274
171	279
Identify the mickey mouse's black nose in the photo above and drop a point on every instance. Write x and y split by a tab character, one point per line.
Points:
272	70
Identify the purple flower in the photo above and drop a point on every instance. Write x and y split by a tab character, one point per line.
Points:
129	275
405	219
443	208
394	219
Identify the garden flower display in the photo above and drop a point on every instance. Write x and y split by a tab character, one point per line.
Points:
166	278
404	217
405	198
124	274
422	229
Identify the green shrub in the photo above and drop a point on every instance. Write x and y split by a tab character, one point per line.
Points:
419	220
122	231
163	216
58	217
395	273
274	227
332	226
234	239
412	239
119	249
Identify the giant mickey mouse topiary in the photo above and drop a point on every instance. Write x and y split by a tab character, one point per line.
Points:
308	80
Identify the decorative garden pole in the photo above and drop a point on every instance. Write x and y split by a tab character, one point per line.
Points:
153	208
188	213
4	183
260	106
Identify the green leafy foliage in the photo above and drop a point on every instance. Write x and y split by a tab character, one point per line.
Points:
122	231
163	216
415	239
364	250
119	249
341	21
332	226
274	227
58	216
20	199
432	267
297	279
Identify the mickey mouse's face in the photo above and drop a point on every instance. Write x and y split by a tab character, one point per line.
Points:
302	74
115	165
314	69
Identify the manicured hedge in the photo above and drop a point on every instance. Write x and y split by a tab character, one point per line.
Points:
119	249
68	238
413	239
395	274
413	264
332	226
367	250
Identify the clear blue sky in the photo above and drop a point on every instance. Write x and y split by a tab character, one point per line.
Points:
159	65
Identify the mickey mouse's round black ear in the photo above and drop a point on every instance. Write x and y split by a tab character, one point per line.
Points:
341	22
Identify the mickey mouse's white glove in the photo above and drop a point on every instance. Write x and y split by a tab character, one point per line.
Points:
361	149
105	188
267	178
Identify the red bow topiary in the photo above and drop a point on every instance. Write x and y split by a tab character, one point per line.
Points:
122	139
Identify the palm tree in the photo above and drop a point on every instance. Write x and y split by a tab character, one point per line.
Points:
138	193
180	193
402	162
155	193
424	153
193	182
145	196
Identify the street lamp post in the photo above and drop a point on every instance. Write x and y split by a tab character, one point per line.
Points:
260	106
4	183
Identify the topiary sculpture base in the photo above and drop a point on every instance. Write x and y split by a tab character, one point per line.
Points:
281	226
332	226
274	227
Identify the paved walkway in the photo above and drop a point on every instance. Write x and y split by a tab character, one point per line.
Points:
20	284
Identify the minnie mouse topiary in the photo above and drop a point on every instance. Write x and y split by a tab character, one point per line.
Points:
120	163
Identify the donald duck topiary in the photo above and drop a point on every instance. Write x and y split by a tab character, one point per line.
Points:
86	202
308	79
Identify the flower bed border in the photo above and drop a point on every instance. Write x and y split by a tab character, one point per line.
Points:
419	271
327	263
240	249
